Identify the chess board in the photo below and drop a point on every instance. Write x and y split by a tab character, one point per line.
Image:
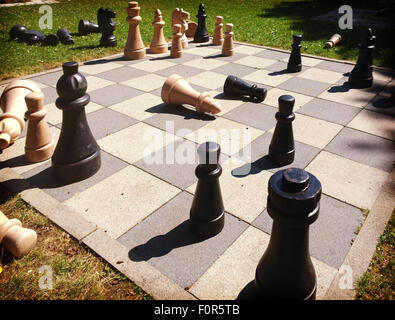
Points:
134	212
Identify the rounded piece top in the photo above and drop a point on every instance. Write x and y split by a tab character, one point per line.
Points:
294	180
70	68
209	152
285	104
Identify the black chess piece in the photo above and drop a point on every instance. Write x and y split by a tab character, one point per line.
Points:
295	59
77	154
362	74
107	27
285	270
207	214
282	148
65	36
201	33
22	34
86	27
236	87
50	40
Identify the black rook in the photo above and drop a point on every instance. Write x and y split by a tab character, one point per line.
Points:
207	213
77	155
295	59
201	33
237	87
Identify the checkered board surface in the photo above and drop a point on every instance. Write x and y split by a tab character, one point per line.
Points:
343	136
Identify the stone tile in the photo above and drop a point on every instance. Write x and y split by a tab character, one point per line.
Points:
347	180
388	90
42	178
218	56
146	83
50	95
168	246
330	111
315	132
208	79
304	86
180	70
249	50
383	75
204	64
273	54
309	62
137	107
95	67
227	103
230	135
274	93
153	65
278	66
382	104
134	195
175	163
177	119
141	138
121	74
235	69
185	57
95	83
364	148
331	235
257	154
316	74
255	62
240	192
267	77
256	115
335	66
203	50
50	78
375	123
114	94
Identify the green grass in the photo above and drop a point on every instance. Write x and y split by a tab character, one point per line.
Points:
378	282
270	23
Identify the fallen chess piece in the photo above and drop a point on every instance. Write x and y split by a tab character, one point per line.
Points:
237	87
179	16
86	27
177	90
333	41
13	105
31	37
65	36
158	43
16	239
134	48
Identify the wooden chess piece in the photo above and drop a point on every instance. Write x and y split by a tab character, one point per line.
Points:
218	38
177	90
179	16
190	32
39	145
334	40
13	104
134	48
227	46
16	239
176	45
158	43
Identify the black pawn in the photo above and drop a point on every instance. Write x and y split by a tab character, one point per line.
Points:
285	270
22	34
201	33
237	87
282	148
107	27
362	74
295	59
207	213
87	27
65	36
77	155
50	40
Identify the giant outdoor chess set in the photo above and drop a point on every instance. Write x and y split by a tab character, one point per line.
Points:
135	210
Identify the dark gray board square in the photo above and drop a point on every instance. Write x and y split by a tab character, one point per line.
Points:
234	69
185	58
257	115
114	94
121	74
335	66
218	56
273	54
256	154
331	235
170	246
329	111
50	78
177	119
42	178
364	148
304	86
383	105
181	70
50	95
278	66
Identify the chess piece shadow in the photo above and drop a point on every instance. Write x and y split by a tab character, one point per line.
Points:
345	87
161	245
263	163
181	111
383	102
277	73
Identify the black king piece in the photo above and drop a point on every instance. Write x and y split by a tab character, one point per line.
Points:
77	155
207	214
201	33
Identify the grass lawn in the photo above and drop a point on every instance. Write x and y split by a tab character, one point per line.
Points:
270	23
78	273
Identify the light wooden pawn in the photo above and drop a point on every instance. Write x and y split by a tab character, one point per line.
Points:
158	43
39	145
218	38
227	47
16	239
334	40
176	43
134	48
